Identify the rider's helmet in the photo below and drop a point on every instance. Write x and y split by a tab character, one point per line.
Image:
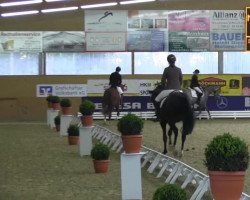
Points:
118	69
196	71
171	58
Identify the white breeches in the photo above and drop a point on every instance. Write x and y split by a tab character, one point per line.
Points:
119	89
162	95
198	89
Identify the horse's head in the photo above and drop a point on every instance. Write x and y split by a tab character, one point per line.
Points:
217	91
155	91
213	89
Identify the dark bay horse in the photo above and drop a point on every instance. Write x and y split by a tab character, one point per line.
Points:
175	108
212	89
111	101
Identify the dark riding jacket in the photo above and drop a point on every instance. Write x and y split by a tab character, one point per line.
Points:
173	75
115	79
194	81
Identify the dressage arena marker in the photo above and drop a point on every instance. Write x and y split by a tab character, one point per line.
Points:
48	116
51	116
64	125
85	140
166	166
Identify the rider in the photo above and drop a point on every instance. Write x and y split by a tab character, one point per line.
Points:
196	86
171	80
115	80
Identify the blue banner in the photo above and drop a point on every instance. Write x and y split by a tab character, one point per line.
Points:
143	103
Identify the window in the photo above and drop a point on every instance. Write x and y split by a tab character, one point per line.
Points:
236	62
87	63
155	62
19	64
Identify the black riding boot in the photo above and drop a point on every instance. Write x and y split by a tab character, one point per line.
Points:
199	98
157	111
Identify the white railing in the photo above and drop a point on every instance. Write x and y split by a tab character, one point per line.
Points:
163	165
202	115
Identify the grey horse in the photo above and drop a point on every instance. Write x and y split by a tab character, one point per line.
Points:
212	89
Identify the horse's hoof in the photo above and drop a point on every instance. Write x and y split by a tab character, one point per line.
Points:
164	152
175	153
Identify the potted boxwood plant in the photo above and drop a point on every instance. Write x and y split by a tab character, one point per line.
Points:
87	109
66	106
48	99
73	134
100	154
55	100
57	121
226	158
131	127
170	192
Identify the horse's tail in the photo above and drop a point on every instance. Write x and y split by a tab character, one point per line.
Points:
189	119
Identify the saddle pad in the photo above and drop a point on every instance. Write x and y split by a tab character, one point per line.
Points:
193	93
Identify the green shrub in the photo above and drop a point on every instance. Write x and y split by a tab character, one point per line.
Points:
130	124
226	153
100	152
73	130
65	102
87	107
55	99
48	98
170	192
57	120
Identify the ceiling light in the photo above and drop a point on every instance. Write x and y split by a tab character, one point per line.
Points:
99	5
55	0
135	1
18	3
59	9
30	12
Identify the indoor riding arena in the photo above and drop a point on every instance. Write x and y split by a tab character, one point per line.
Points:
59	62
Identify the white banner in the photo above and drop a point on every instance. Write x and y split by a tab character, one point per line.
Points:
132	87
20	41
227	30
103	20
105	41
61	90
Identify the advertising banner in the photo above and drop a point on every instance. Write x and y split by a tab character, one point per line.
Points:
68	41
151	41
143	103
147	30
231	85
19	41
106	41
61	90
227	30
105	21
189	30
133	87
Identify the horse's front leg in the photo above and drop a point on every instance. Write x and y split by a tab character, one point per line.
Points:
118	111
208	112
164	134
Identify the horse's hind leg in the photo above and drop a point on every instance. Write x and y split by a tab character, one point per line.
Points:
175	129
169	136
183	141
164	134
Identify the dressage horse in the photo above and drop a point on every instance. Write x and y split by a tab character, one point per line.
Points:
215	89
175	108
111	100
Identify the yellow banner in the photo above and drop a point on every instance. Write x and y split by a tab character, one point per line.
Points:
231	85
